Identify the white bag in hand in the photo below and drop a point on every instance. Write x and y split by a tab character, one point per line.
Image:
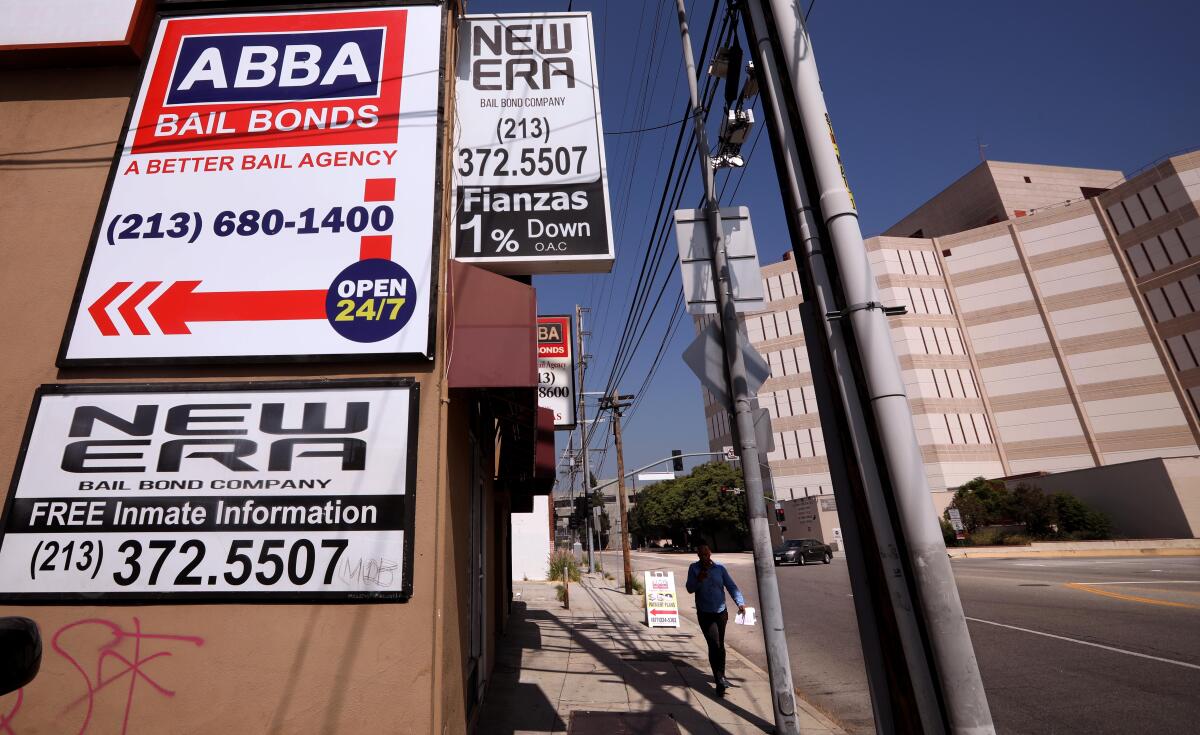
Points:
746	618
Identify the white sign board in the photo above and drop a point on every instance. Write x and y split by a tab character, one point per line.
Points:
273	195
695	260
662	604
655	476
204	491
956	519
556	369
531	186
45	22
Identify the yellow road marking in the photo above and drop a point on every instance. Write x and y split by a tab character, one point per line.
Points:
1130	598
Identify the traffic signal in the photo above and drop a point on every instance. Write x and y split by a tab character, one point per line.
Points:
677	460
779	516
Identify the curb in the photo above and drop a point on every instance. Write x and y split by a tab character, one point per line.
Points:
1071	553
802	703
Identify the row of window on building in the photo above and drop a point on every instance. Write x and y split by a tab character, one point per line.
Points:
1165	250
1175	299
960	428
923	300
774	325
948	382
798	444
782	286
1185	350
1137	210
913	262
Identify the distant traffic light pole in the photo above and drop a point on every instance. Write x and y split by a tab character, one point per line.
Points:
778	664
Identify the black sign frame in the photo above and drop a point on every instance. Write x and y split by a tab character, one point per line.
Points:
255	597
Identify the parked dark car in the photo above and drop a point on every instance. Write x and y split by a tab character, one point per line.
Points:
803	551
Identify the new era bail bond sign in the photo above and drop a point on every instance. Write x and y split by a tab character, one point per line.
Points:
214	492
531	186
273	194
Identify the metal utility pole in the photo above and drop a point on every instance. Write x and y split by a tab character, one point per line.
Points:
581	420
904	695
617	404
893	439
778	664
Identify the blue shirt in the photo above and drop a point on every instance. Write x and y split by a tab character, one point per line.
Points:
710	593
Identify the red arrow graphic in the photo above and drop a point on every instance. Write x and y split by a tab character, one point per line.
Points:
97	309
128	308
180	304
664	612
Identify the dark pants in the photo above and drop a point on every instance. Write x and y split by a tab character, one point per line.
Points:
713	627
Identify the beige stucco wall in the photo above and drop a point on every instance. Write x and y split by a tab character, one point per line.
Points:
205	668
1185	477
1142	498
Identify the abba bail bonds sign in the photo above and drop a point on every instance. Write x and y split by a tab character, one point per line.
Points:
273	195
212	491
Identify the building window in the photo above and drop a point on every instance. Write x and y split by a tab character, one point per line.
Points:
1028	180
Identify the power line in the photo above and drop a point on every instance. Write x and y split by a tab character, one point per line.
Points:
646	130
632	337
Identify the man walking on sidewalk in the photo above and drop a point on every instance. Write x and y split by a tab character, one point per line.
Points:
708	580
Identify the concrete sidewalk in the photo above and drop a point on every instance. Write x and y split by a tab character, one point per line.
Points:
600	657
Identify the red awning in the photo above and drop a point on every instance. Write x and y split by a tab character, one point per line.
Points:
493	330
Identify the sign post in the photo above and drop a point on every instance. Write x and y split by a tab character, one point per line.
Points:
273	194
662	604
531	184
960	531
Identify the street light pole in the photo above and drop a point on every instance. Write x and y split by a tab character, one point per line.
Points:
778	664
936	596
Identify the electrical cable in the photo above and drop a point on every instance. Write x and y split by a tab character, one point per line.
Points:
660	230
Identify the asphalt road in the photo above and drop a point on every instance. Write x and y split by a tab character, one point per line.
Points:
1064	645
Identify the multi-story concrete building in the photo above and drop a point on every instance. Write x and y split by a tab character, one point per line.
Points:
1051	326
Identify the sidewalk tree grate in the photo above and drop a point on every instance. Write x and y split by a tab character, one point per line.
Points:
584	722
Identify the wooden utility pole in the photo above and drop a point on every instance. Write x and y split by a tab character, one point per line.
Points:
617	404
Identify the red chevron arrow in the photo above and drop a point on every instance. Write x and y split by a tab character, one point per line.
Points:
128	308
181	304
97	309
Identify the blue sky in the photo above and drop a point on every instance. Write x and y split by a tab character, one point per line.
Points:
911	88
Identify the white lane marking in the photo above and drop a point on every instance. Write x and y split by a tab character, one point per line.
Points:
1146	581
1088	643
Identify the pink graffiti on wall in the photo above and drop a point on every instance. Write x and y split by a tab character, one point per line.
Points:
105	654
6	718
